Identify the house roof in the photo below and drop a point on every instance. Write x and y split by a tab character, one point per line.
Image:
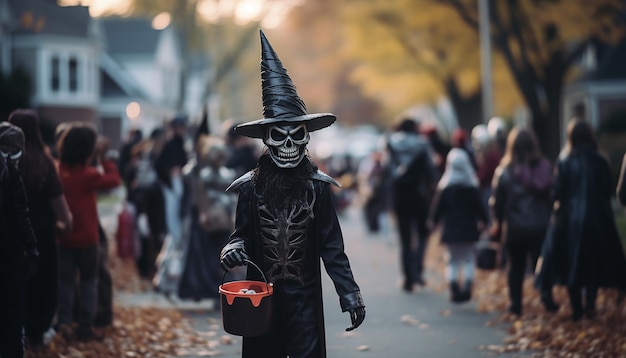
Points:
126	36
116	82
46	17
610	63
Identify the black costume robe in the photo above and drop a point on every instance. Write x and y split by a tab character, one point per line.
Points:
582	246
297	306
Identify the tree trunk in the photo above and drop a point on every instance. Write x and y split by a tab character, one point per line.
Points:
468	109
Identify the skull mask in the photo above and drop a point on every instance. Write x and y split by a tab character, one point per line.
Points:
287	143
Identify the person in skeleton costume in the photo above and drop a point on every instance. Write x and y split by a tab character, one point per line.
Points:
286	221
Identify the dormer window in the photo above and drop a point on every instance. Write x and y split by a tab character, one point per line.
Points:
73	74
67	74
55	79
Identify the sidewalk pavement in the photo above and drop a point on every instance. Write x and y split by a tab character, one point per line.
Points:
398	324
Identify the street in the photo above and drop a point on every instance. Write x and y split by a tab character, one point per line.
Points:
397	324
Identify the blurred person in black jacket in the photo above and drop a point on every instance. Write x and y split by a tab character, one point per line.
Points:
621	184
583	250
242	155
18	244
413	180
50	216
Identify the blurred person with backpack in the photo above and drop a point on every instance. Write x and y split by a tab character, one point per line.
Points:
520	205
413	177
169	168
49	215
212	219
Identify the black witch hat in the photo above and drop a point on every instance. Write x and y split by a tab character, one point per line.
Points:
281	103
203	128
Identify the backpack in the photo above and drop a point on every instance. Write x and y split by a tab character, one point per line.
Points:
527	212
146	174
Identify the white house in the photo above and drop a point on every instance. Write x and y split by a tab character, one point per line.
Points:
600	92
117	73
60	47
140	74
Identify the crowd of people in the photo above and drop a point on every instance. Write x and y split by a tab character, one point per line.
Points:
551	220
554	220
53	247
175	183
51	235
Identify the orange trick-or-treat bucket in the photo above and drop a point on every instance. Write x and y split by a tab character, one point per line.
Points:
246	306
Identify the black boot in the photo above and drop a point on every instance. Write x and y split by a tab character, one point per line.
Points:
548	302
466	295
591	293
455	292
575	301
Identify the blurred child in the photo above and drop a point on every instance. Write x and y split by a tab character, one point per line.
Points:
457	207
78	251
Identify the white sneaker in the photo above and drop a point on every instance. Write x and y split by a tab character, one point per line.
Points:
48	336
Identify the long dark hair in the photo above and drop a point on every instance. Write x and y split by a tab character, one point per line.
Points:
36	161
77	144
522	148
580	137
282	187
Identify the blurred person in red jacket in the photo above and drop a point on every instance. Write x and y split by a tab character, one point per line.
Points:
78	250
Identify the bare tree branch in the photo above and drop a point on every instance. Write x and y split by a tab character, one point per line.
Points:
465	13
515	11
400	34
223	68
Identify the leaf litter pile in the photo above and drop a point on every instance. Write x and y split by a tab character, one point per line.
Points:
538	332
154	332
554	334
141	332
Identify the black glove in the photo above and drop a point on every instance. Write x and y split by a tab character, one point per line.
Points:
232	258
357	315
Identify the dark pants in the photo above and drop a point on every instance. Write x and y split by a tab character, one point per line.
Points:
295	331
372	210
41	294
150	202
104	310
575	298
520	250
11	308
83	261
411	215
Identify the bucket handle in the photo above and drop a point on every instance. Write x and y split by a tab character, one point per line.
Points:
258	269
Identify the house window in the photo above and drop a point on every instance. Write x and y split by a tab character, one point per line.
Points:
55	80
73	72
